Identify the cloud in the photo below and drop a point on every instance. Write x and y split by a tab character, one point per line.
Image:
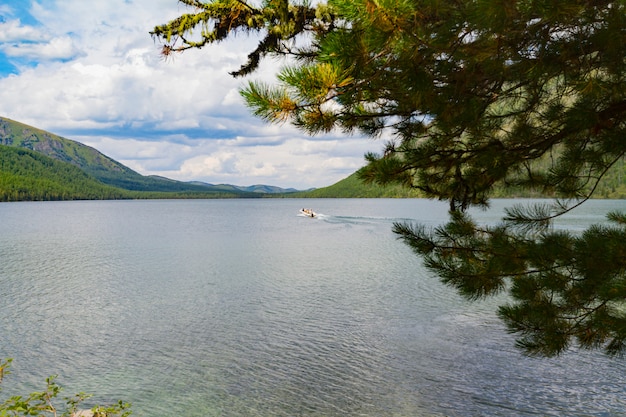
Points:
14	31
90	71
56	49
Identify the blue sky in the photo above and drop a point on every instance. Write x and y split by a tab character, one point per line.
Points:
89	71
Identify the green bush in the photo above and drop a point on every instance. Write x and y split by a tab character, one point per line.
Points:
47	403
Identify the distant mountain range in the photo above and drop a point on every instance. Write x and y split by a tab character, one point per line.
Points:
38	165
264	189
48	167
98	167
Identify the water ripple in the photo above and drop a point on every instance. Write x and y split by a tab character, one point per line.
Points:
231	308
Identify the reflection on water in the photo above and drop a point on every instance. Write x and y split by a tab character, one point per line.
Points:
243	307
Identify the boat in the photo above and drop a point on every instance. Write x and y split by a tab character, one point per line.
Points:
308	212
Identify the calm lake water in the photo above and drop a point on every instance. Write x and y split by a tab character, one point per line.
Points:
245	308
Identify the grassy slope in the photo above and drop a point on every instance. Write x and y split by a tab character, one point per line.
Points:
91	161
612	186
27	175
111	172
353	187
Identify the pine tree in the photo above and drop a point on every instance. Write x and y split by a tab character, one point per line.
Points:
477	94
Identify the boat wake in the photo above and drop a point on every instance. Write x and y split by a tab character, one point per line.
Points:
356	220
350	219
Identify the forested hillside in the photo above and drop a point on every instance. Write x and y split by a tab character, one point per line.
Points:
30	176
613	186
353	187
27	175
96	176
89	160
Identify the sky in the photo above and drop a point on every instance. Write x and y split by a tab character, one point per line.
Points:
90	71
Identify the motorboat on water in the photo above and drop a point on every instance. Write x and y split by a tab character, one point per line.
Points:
308	212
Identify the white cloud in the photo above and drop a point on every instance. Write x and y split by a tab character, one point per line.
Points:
14	31
57	48
182	118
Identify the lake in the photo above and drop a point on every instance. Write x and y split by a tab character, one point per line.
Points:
246	308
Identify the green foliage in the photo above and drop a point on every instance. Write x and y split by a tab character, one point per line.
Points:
89	160
29	175
26	175
354	187
481	99
563	285
612	186
19	135
279	22
46	403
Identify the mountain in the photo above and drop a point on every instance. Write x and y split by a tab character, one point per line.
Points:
88	159
20	171
612	185
263	189
101	167
353	187
266	189
27	175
